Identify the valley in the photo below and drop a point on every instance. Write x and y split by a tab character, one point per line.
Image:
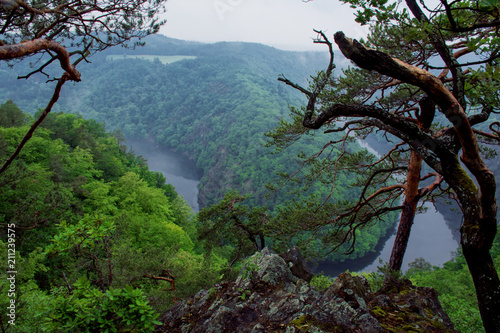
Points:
200	117
212	103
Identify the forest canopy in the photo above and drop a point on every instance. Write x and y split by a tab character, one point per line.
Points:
85	213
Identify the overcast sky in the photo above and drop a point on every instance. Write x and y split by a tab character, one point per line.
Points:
285	24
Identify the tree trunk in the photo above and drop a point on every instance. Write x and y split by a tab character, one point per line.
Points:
412	196
486	282
407	213
477	235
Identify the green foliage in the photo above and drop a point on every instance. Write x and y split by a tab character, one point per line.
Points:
244	293
11	115
419	265
383	276
455	287
321	282
25	292
86	235
456	292
249	266
87	309
367	10
97	233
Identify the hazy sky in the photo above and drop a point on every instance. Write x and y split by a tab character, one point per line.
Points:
285	24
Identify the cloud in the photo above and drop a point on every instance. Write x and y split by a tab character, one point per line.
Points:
286	24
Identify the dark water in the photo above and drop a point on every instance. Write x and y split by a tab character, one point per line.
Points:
179	170
431	236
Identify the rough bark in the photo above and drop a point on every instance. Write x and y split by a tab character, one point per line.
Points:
413	194
23	49
407	213
478	204
486	283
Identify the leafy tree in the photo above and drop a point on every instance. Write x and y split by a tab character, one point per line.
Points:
89	243
231	223
397	89
11	115
69	32
90	310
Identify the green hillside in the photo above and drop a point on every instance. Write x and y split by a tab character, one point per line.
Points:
81	215
214	103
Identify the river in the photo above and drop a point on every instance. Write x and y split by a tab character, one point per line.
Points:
179	170
431	237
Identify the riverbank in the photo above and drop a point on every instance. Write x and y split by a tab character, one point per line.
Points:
431	237
179	170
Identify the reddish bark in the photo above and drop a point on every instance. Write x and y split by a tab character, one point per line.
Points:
23	49
408	212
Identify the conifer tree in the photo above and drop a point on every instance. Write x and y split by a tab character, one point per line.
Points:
429	79
69	32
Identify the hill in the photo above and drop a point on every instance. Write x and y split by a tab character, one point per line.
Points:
213	103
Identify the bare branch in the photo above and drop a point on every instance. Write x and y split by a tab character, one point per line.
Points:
29	134
34	46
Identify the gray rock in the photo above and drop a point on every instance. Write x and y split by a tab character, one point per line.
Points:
265	266
267	297
297	264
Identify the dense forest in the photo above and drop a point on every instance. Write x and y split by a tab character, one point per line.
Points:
88	212
214	103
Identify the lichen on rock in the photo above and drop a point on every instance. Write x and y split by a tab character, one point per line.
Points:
267	297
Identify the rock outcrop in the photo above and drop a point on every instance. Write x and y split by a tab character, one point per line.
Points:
267	297
297	264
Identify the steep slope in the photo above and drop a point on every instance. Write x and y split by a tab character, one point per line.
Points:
212	102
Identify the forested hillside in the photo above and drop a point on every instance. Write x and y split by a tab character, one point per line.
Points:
85	214
212	102
215	107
